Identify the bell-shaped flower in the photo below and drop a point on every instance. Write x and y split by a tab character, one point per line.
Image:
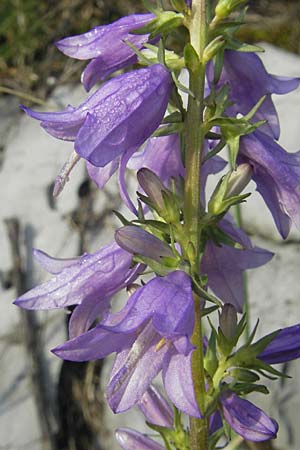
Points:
116	119
246	419
133	440
92	276
148	334
249	81
224	264
106	47
276	174
284	347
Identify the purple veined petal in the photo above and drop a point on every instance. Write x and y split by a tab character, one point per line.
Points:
94	274
135	240
156	409
62	125
284	347
86	313
100	40
246	419
122	182
126	118
167	300
99	68
132	440
178	383
162	156
94	344
53	265
276	173
143	362
101	175
224	266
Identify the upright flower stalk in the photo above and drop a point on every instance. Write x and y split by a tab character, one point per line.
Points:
192	248
194	143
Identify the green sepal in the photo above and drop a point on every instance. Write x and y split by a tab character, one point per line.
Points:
225	345
219	203
218	65
191	58
181	86
207	311
159	268
247	388
259	346
151	53
236	45
164	22
179	5
166	433
225	7
245	375
175	117
211	362
155	225
204	294
219	237
213	48
120	216
232	129
263	367
171	212
214	438
166	130
155	9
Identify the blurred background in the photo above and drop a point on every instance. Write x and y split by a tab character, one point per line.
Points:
46	404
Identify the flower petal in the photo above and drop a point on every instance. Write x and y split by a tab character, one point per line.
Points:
132	440
246	419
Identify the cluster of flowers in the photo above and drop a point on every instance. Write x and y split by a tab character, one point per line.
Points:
152	332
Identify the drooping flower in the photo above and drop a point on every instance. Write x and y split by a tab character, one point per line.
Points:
116	119
249	81
276	174
284	347
246	419
133	440
224	264
106	47
148	334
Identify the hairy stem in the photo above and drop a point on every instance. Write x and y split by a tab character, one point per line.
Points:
194	140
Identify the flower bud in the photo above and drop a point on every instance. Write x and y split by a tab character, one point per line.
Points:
212	49
239	179
228	321
156	409
138	241
225	7
132	440
152	186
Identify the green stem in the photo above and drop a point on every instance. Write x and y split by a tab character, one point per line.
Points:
194	140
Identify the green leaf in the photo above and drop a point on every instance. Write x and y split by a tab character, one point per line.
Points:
191	58
233	44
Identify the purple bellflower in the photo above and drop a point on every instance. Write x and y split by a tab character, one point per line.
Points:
106	47
116	119
151	333
88	281
133	440
246	419
284	347
276	174
224	265
249	81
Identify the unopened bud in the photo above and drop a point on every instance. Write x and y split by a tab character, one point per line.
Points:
156	409
228	321
239	179
212	49
225	7
132	440
152	186
135	240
